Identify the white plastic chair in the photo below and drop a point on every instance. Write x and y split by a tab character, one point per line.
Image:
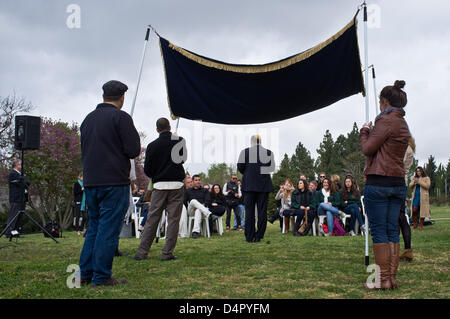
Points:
219	224
203	229
136	217
162	221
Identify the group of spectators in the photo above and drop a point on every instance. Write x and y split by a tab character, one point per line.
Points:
203	201
325	197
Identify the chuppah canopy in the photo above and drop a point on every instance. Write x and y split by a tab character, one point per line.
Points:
200	88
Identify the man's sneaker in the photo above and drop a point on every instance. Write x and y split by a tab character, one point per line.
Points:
352	233
363	229
325	234
228	228
112	282
195	235
14	233
321	232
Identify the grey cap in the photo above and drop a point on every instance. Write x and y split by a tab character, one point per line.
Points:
114	88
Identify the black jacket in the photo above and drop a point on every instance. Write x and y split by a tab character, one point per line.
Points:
77	192
17	185
256	170
164	158
201	194
108	141
219	199
300	198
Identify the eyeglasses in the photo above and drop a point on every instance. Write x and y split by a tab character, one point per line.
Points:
234	178
322	176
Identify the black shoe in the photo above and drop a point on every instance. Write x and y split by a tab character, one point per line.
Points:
136	257
195	235
173	257
118	254
112	282
85	281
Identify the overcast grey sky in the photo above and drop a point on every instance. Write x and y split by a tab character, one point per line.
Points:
61	69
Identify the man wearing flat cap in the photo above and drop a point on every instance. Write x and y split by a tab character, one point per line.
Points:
256	163
108	141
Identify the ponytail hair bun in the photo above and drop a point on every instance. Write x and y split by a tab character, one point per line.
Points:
394	94
399	84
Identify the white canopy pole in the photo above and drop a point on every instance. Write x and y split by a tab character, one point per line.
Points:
366	64
147	34
375	90
140	70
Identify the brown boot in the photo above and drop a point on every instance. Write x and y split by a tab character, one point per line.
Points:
382	255
286	224
407	255
414	221
395	250
421	223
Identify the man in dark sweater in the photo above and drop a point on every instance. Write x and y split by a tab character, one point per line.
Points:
164	160
108	141
197	198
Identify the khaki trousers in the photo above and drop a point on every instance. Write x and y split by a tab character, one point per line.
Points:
172	202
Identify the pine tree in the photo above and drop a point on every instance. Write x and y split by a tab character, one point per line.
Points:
329	160
430	170
302	163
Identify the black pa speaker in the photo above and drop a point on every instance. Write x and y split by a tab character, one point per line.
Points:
28	132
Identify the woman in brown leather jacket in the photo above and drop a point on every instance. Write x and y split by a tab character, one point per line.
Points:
384	146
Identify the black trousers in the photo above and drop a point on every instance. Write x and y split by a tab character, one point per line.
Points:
216	211
260	200
14	209
300	213
80	213
404	227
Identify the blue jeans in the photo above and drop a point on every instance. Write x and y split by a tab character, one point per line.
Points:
353	211
241	209
330	212
107	208
383	208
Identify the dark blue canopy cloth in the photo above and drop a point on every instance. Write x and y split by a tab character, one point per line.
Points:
201	88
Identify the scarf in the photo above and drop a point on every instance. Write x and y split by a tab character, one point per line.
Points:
325	195
83	200
389	110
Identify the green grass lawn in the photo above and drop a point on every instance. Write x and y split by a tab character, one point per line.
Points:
281	266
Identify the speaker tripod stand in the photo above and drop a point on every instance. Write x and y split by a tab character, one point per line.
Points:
32	219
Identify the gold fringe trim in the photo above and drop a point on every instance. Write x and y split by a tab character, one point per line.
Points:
174	117
264	67
359	56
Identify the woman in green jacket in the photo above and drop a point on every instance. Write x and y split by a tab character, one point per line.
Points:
351	204
326	202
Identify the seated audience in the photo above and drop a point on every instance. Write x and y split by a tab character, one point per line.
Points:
216	204
285	195
326	202
351	204
197	198
301	207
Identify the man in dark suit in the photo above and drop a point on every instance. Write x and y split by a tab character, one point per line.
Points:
17	185
256	163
